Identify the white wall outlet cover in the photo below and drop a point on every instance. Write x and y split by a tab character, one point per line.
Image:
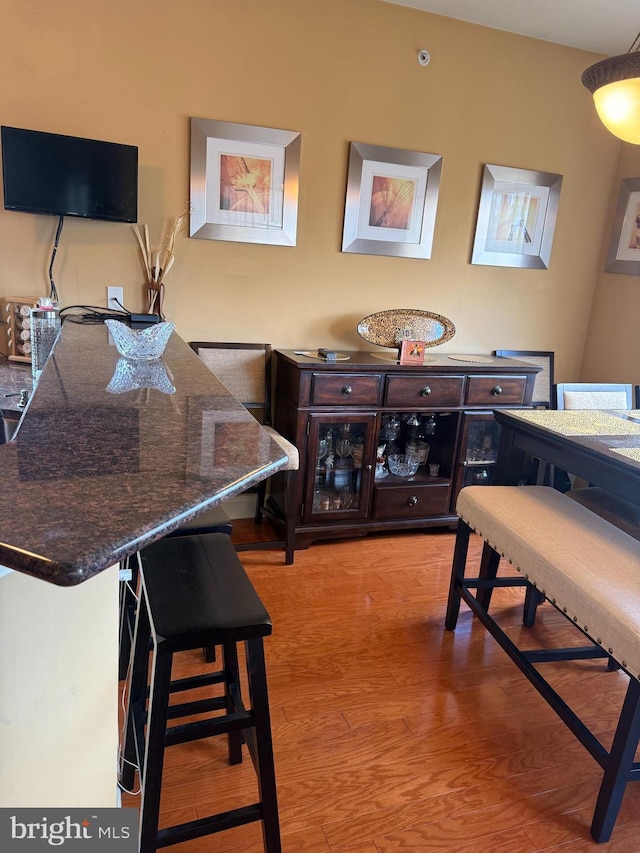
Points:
115	298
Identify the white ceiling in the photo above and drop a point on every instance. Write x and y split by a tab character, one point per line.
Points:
602	26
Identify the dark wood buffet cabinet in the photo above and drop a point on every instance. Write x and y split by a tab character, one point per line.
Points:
348	418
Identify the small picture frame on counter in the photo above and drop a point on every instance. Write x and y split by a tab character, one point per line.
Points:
412	352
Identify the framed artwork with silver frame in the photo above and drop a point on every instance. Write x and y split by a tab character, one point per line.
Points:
391	201
244	183
516	217
624	247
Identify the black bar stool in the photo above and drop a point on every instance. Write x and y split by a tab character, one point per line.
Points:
195	593
214	520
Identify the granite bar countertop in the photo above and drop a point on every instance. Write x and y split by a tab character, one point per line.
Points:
107	458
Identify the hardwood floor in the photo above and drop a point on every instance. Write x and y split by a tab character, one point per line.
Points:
392	734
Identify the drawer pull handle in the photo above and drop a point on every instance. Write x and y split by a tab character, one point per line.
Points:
496	391
424	392
346	390
413	500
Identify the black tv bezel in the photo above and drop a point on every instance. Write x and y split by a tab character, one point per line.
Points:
63	210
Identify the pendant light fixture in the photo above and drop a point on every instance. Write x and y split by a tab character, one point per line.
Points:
615	86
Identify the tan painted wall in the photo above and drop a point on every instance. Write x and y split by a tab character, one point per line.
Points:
611	350
338	71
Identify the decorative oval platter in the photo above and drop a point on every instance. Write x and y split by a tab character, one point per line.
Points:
388	328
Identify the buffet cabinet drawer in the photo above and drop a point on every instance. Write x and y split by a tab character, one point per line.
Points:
424	391
344	389
496	390
411	501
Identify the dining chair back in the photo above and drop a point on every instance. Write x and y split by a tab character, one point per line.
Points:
544	381
594	395
245	371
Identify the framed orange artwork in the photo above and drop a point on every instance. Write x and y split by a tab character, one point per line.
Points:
244	183
392	196
412	352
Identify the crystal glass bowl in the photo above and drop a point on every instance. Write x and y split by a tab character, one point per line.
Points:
140	344
402	465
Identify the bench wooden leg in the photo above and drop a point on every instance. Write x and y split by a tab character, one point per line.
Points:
619	765
457	574
488	571
532	599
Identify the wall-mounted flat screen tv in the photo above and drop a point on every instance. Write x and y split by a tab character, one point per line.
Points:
69	175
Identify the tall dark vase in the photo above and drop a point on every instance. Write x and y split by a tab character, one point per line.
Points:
155	294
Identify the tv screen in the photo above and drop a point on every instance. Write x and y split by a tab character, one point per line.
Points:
69	176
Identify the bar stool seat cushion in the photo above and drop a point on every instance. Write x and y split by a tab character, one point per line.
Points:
200	594
587	567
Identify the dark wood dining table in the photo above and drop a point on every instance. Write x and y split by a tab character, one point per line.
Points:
602	447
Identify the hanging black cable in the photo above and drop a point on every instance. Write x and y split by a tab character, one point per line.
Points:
53	293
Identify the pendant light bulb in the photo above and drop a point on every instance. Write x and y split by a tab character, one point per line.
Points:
618	107
615	86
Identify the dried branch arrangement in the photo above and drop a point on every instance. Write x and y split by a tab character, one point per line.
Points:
157	267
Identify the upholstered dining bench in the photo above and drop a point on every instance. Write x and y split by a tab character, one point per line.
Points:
590	570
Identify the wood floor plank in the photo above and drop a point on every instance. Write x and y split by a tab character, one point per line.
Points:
473	826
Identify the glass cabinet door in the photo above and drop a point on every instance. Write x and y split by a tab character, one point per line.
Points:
479	450
341	465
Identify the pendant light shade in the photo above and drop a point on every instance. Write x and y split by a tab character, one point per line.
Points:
615	86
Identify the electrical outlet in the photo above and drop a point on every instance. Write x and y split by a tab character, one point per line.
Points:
115	298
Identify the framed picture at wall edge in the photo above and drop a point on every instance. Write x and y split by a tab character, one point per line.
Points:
516	217
624	246
391	201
